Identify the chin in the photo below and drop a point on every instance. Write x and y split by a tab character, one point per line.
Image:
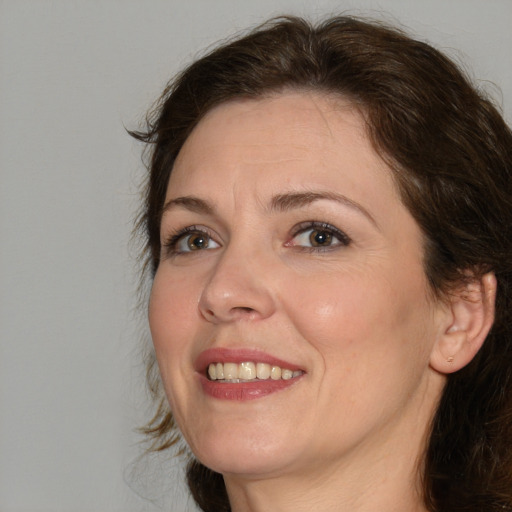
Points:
244	451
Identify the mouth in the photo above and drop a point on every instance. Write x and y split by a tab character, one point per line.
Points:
241	374
249	371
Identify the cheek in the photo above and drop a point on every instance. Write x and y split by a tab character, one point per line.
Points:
362	316
174	298
172	306
373	343
173	322
329	309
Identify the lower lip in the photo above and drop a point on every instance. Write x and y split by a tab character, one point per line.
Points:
243	391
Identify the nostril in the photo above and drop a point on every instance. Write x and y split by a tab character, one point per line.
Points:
212	315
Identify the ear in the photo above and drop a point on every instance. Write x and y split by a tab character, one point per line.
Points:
469	318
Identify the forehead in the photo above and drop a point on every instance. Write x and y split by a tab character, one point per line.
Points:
308	119
295	139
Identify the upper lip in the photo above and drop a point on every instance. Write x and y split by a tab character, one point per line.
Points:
239	355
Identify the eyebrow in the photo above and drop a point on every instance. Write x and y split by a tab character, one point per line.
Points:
193	204
293	200
279	203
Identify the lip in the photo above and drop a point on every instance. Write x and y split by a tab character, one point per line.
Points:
242	391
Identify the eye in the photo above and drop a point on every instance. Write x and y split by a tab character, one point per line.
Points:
318	235
190	239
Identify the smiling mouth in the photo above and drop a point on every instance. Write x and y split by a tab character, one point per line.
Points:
235	373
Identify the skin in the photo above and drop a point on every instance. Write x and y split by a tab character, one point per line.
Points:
356	316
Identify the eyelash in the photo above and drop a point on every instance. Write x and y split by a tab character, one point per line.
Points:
171	245
304	227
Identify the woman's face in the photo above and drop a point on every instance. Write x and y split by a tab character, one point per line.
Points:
285	245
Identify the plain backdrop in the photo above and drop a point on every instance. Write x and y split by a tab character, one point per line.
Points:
73	75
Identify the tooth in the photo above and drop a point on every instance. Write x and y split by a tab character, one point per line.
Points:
230	371
263	371
275	373
247	371
286	374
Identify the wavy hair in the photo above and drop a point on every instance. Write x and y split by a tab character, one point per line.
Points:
451	155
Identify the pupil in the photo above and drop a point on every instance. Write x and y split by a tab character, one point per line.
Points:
320	238
197	242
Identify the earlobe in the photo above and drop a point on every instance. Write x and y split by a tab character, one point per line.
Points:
471	317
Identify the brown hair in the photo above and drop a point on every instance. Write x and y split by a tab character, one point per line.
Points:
451	153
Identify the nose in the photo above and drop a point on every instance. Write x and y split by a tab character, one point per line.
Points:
239	287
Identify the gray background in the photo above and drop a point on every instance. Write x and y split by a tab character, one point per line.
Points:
72	75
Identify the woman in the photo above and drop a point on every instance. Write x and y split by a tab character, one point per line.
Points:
327	219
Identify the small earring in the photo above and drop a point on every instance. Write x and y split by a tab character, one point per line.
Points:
450	359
